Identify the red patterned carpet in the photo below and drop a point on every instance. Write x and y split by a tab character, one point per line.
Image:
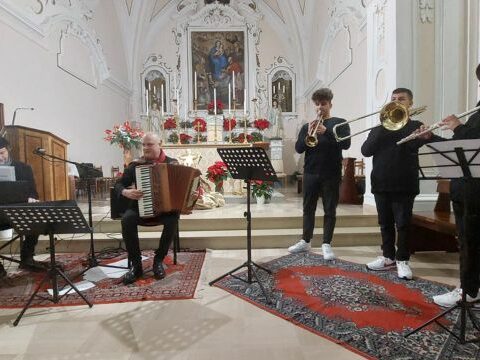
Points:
366	312
180	282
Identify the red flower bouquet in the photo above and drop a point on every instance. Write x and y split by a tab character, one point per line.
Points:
261	124
241	138
229	124
217	173
200	125
262	188
211	107
170	124
185	138
125	136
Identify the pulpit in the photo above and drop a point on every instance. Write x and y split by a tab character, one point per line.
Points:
51	178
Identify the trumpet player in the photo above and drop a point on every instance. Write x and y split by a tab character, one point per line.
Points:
322	171
395	184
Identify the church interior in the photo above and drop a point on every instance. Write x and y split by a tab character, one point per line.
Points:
228	89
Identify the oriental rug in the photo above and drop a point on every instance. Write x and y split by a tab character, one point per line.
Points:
364	311
180	282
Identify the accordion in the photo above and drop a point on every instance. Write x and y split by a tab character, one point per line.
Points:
166	188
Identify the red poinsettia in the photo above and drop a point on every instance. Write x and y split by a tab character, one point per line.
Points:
217	172
211	106
261	124
241	138
170	124
199	124
185	138
124	135
229	124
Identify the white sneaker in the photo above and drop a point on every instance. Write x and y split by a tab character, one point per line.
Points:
404	271
301	246
451	298
327	252
381	263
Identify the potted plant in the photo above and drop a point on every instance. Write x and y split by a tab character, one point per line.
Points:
262	190
218	173
126	137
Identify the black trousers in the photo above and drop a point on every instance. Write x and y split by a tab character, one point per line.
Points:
467	220
395	211
27	249
130	222
313	187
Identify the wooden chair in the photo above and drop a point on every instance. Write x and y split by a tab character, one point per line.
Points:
119	204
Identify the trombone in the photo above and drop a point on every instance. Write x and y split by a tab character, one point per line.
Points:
311	139
393	116
432	127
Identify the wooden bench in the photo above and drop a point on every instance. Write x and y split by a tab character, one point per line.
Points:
434	230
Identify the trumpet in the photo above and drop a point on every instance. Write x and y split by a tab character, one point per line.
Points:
311	139
393	117
432	127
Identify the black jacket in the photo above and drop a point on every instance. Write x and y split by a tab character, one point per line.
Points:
395	167
469	130
24	172
325	159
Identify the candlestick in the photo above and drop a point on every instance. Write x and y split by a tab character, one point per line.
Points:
146	100
244	102
195	86
177	100
163	103
233	84
215	101
229	94
274	89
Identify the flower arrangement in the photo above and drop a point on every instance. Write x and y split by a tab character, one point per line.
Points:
199	139
200	125
173	138
256	136
211	107
241	137
261	124
217	173
185	138
262	188
229	124
170	124
126	136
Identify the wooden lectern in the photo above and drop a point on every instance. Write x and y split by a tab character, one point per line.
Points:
51	178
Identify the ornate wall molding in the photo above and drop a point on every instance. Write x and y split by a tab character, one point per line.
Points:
427	10
155	62
281	67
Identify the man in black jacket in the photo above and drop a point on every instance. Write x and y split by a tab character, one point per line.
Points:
395	184
469	252
22	172
322	172
125	186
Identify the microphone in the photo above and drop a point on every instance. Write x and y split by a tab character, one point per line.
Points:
39	151
20	108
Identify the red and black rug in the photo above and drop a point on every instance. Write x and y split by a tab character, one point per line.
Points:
367	312
180	282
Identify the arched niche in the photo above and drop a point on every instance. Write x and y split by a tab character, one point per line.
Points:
155	77
281	85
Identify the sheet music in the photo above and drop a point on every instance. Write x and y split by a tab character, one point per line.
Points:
448	162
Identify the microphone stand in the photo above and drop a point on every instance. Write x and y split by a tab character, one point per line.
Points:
92	260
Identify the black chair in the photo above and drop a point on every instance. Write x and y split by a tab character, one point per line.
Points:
119	203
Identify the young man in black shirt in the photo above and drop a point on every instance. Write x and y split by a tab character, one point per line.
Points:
322	172
395	184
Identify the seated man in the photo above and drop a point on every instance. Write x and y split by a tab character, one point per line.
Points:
22	172
153	154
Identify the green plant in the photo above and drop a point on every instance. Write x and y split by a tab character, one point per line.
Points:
262	188
125	136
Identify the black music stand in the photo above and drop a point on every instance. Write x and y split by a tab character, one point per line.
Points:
12	192
459	159
55	217
248	164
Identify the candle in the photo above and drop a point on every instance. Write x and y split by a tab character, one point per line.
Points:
274	89
284	89
178	102
163	103
149	86
244	101
175	81
233	84
215	101
154	90
279	86
185	113
229	94
146	99
195	86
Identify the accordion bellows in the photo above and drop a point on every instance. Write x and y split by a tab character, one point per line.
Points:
166	188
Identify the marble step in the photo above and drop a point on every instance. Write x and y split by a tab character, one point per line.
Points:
222	239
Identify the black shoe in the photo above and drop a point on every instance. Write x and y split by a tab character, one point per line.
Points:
158	270
133	274
32	265
3	272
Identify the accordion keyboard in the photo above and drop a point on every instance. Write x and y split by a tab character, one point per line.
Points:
144	183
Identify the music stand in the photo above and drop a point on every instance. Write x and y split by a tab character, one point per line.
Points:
248	164
12	192
459	159
54	217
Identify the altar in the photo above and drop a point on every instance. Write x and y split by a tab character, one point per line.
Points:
203	155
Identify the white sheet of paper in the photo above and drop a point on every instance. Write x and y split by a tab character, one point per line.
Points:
81	286
99	273
447	168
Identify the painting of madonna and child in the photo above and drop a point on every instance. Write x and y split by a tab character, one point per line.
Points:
218	59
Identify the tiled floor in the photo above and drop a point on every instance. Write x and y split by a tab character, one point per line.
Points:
213	325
